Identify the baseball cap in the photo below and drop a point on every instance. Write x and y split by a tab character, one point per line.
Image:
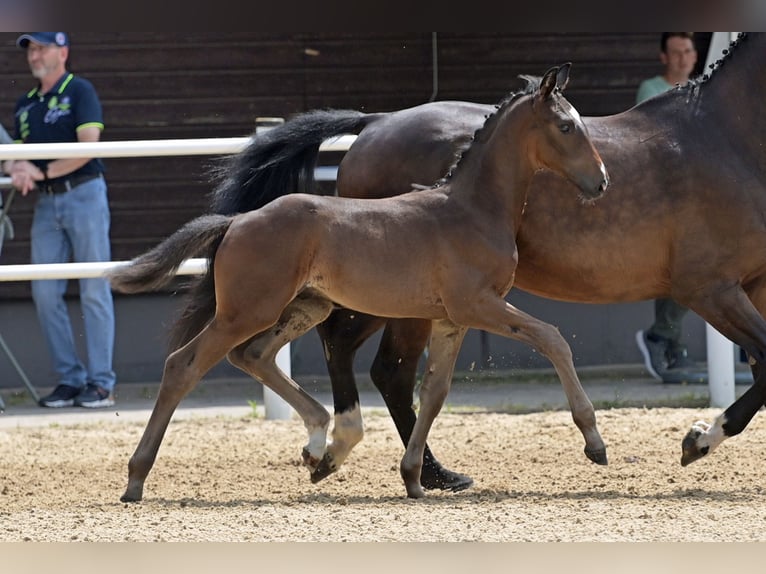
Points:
44	38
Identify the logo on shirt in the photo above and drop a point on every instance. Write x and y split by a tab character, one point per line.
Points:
57	109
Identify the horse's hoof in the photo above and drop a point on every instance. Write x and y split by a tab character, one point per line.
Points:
324	469
442	479
597	455
690	451
133	493
414	491
130	498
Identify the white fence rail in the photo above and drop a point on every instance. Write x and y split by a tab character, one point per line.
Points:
275	407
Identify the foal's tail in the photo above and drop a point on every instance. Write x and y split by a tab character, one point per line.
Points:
280	161
157	267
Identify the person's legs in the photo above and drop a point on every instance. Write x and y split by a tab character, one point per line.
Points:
667	328
50	245
87	220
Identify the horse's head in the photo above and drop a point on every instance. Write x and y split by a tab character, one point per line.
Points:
564	146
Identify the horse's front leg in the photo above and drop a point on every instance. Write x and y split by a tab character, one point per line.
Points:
257	357
183	370
446	338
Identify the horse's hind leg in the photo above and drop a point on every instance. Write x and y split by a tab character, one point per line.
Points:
342	333
257	357
394	372
183	370
446	338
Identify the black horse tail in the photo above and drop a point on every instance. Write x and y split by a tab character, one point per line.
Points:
279	161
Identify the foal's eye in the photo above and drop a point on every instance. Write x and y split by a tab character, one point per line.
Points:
565	128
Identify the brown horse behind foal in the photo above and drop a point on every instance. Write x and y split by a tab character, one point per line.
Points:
683	219
446	255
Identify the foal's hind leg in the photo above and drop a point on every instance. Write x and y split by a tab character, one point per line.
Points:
257	357
183	370
394	374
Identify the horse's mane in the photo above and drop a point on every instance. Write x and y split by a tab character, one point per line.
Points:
490	122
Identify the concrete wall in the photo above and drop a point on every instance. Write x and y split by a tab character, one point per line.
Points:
598	335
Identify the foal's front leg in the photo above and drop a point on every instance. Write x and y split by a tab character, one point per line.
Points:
496	315
446	338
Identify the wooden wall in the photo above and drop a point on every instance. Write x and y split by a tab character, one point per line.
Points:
194	85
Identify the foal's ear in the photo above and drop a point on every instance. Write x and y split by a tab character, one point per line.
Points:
562	78
555	78
548	83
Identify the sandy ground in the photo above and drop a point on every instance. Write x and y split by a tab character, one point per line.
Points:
239	478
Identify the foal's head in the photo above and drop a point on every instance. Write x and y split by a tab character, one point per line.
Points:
561	143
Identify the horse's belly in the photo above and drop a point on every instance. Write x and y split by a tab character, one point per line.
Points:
584	285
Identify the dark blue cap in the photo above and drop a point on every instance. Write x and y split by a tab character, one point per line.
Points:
44	38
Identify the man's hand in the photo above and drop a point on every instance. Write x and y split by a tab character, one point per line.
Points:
25	175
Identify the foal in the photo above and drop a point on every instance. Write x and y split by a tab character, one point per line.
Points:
446	254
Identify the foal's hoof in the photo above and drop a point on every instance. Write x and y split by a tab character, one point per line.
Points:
128	497
597	455
440	478
324	469
309	460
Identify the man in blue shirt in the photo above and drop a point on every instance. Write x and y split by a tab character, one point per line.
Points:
665	356
71	219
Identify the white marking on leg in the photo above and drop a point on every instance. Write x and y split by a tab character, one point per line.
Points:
710	435
346	434
316	445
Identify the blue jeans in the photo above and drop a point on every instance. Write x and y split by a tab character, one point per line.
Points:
74	227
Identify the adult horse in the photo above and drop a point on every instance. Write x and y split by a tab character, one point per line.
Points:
446	255
683	219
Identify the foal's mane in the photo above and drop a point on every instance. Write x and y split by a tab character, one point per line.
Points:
488	127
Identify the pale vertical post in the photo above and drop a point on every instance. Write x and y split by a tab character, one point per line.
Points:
720	368
275	406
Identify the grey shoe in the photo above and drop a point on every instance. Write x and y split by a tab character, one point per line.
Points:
62	396
94	397
678	357
655	359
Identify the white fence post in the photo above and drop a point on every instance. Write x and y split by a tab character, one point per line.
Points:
276	407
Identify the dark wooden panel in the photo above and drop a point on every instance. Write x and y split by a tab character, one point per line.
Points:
214	84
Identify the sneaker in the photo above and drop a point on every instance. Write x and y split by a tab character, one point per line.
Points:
94	397
655	360
678	357
62	396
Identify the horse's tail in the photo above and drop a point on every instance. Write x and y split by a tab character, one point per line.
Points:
280	161
157	267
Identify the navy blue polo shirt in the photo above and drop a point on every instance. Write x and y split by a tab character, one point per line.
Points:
55	117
